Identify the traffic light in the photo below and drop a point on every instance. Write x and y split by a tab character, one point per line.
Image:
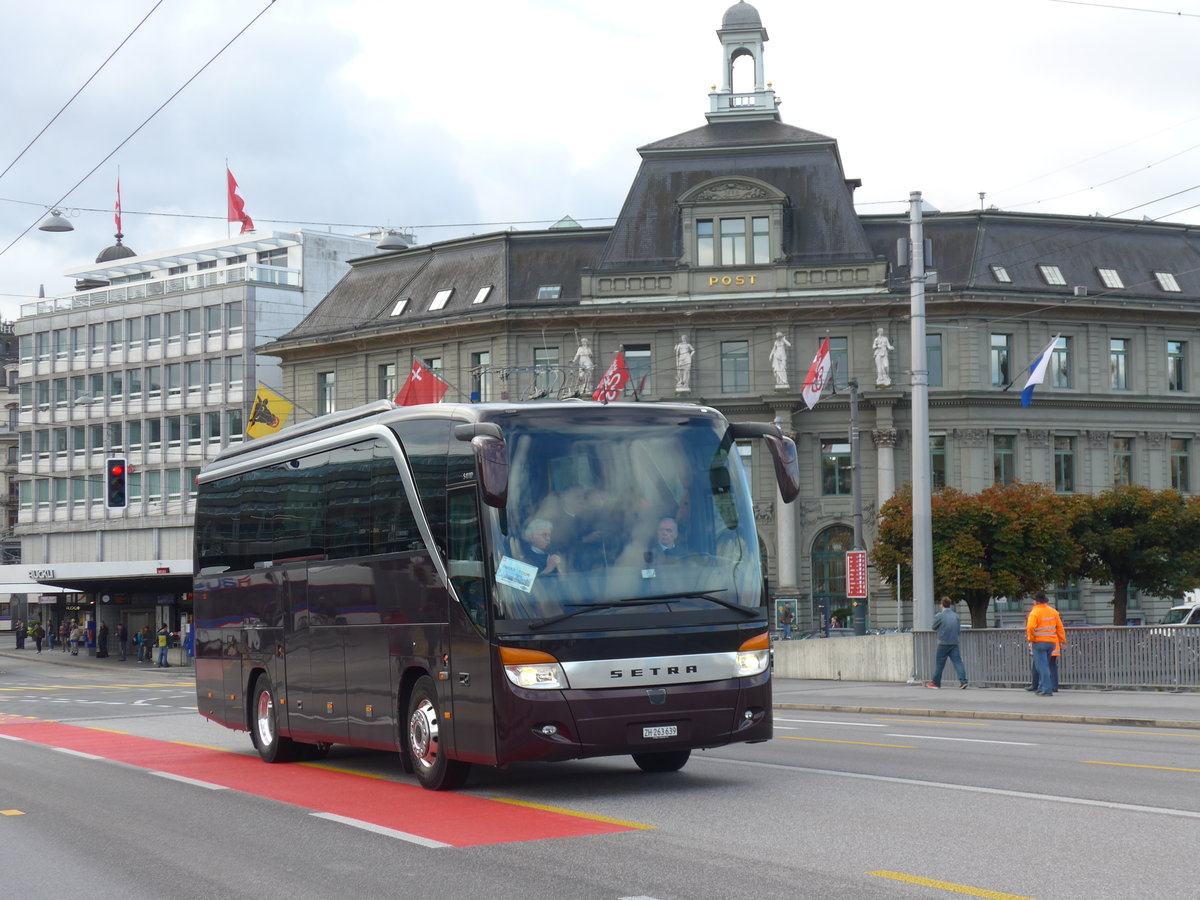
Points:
115	471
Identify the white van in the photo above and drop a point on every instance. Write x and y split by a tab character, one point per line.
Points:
1187	613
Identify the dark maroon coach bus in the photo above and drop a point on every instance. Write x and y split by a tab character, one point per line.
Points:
482	584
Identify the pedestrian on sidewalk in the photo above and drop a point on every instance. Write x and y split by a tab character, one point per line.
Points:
947	626
123	640
19	628
39	635
164	638
102	641
1044	629
785	619
64	633
145	654
76	638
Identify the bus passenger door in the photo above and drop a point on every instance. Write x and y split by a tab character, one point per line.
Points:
470	652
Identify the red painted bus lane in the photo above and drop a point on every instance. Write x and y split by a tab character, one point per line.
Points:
455	820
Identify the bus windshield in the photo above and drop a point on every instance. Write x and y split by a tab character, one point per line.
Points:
604	518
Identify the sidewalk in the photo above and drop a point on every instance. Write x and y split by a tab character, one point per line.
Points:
1155	709
179	666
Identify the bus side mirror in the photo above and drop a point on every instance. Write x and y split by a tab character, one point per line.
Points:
783	454
491	459
787	467
491	462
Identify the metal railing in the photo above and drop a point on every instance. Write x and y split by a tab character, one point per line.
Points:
1148	656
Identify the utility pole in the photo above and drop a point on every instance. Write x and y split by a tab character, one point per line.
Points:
922	513
859	606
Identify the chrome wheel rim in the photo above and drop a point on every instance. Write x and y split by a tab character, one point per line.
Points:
423	734
264	719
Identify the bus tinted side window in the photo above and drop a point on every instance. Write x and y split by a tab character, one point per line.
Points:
346	502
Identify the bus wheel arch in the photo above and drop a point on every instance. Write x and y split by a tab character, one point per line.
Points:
433	768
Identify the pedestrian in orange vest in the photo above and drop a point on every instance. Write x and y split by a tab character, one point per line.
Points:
1044	629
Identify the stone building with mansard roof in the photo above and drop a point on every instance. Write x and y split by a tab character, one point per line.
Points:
744	229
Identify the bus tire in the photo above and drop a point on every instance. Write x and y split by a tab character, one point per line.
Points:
665	761
264	724
422	743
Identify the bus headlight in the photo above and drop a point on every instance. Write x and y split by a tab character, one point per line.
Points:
754	655
533	669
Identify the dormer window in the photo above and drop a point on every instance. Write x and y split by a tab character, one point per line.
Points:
733	241
1111	278
440	299
1167	282
400	306
1052	275
1001	274
732	222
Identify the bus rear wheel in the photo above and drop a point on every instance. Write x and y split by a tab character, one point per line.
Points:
667	761
264	729
423	742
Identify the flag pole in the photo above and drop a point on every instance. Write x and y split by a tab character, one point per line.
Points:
228	234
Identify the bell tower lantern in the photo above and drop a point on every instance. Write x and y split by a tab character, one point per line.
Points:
742	34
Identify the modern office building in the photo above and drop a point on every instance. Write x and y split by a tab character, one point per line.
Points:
151	361
737	250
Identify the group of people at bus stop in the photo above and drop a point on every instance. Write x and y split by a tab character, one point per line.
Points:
72	636
1043	629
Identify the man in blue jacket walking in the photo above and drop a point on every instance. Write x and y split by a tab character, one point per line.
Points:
946	624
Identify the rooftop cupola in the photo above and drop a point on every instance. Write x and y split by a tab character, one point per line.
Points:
742	34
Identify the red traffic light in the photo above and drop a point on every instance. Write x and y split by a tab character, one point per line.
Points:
116	470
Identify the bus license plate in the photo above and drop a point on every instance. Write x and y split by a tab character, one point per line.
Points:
660	731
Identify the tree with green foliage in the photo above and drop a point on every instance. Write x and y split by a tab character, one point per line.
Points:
1133	537
1005	541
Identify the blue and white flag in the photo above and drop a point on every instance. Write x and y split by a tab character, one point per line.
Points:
1037	371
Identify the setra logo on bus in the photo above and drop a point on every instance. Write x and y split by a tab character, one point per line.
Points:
654	671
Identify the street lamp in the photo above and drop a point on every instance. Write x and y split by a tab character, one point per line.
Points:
55	222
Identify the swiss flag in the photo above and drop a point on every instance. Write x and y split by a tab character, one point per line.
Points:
818	374
421	386
614	380
237	206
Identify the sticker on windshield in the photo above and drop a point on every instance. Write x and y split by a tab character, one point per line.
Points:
516	574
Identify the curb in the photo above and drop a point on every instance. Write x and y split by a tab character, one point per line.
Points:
112	664
998	714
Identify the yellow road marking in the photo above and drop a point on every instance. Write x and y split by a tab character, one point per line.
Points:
201	746
11	812
948	886
1096	762
574	812
93	687
919	720
1152	733
788	737
343	771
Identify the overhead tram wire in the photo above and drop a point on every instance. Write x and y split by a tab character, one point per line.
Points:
144	123
107	60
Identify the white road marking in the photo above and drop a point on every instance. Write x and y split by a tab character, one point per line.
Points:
929	737
207	785
967	788
78	753
824	722
379	829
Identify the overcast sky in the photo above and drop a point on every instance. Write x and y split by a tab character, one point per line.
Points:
463	117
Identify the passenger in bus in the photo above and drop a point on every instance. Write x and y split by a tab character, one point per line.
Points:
578	528
535	548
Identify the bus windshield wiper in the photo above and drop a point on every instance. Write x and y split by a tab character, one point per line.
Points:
697	595
646	601
589	607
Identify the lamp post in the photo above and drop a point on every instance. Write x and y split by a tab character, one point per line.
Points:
922	514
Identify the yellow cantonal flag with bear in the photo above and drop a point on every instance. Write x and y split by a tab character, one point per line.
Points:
269	414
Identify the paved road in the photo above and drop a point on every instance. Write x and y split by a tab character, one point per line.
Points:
869	790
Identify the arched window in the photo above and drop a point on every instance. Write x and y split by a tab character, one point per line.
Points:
829	570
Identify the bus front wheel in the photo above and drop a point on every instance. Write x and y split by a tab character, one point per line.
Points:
422	735
667	761
264	729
